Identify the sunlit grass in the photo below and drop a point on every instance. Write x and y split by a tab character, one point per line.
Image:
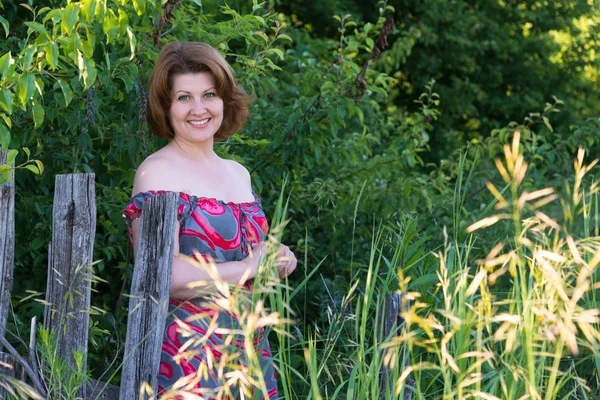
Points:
515	324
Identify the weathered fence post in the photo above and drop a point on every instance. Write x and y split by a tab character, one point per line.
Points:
7	260
69	265
149	296
7	245
391	322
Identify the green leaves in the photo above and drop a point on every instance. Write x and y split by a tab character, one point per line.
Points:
262	35
28	56
37	27
132	42
69	18
66	90
277	52
51	50
4	136
37	168
5	173
54	15
7	65
140	6
11	156
38	115
88	8
89	73
6	100
317	112
283	36
5	25
329	88
25	87
110	26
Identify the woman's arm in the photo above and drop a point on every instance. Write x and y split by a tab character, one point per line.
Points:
185	272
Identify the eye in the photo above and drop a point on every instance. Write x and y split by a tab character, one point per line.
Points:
210	95
183	97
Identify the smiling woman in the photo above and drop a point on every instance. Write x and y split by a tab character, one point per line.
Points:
194	100
196	111
192	58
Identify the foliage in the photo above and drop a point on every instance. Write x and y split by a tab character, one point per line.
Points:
498	61
61	381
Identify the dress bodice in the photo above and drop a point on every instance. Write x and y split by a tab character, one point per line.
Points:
218	230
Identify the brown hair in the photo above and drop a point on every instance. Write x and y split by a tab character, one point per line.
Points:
190	58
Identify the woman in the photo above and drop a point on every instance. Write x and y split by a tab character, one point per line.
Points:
194	100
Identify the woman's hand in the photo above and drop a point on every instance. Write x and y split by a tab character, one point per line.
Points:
259	250
286	261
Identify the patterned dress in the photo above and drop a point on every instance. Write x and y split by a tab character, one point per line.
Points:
222	232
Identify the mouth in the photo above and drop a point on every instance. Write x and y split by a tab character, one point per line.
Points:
199	123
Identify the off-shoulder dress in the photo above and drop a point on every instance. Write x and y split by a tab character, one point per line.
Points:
221	231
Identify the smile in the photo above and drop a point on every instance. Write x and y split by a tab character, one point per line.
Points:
199	123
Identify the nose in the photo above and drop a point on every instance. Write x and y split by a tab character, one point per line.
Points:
198	107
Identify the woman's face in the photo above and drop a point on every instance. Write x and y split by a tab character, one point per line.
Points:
196	111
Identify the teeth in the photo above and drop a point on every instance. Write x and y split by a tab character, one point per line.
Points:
198	123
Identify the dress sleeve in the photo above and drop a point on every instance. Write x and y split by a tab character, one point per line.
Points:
134	207
256	198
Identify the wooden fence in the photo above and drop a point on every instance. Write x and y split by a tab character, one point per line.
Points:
69	286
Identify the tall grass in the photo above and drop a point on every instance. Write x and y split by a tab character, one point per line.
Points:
518	323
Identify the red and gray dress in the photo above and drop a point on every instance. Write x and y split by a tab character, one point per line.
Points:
221	231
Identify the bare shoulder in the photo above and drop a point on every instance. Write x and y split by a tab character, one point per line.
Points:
238	169
154	161
153	173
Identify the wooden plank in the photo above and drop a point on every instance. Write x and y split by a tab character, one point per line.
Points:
7	245
150	289
390	323
69	264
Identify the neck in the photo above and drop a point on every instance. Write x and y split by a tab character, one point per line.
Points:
194	151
